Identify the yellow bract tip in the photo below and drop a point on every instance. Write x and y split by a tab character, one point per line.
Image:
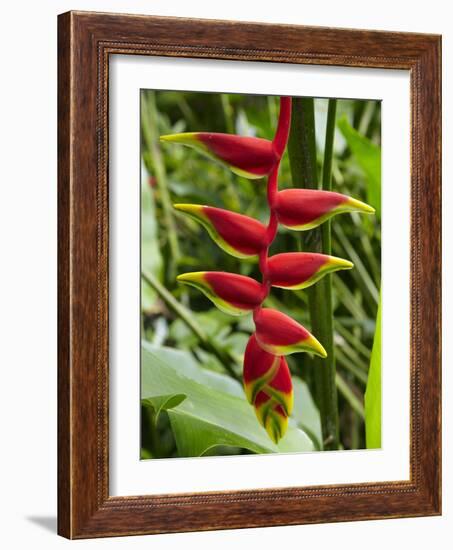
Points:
340	263
276	427
316	347
361	206
185	138
193	277
189	208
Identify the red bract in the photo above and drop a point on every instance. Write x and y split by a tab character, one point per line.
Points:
303	209
268	387
278	334
231	293
249	157
296	270
239	235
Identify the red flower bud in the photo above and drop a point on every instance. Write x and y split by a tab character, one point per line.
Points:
231	293
296	270
238	235
268	387
249	157
303	209
278	334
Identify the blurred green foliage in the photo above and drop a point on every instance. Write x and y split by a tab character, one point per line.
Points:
172	243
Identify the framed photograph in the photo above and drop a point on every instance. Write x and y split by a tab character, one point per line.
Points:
249	275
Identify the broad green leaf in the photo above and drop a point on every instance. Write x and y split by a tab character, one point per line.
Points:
373	391
183	361
368	157
161	403
209	416
306	413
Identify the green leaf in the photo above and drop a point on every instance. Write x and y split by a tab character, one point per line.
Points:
368	157
161	403
213	413
373	391
306	413
185	363
145	454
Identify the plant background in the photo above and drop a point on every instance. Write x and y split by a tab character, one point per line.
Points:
192	399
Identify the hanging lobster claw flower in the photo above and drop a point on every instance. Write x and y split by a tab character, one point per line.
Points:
296	270
239	235
303	209
268	387
249	157
278	334
231	293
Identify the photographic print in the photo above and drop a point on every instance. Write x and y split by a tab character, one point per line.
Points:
220	275
260	268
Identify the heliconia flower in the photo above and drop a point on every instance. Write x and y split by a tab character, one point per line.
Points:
303	209
267	379
249	157
231	293
239	235
268	387
296	270
278	334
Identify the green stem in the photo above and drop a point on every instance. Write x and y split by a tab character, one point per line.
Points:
367	248
352	354
352	341
151	138
363	278
350	396
227	113
349	365
349	301
227	359
327	171
302	156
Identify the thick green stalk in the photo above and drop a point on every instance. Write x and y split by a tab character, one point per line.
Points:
327	171
302	156
227	359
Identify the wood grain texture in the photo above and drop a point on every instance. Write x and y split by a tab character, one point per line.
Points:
64	369
85	42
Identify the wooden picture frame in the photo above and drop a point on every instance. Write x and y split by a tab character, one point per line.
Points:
85	41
